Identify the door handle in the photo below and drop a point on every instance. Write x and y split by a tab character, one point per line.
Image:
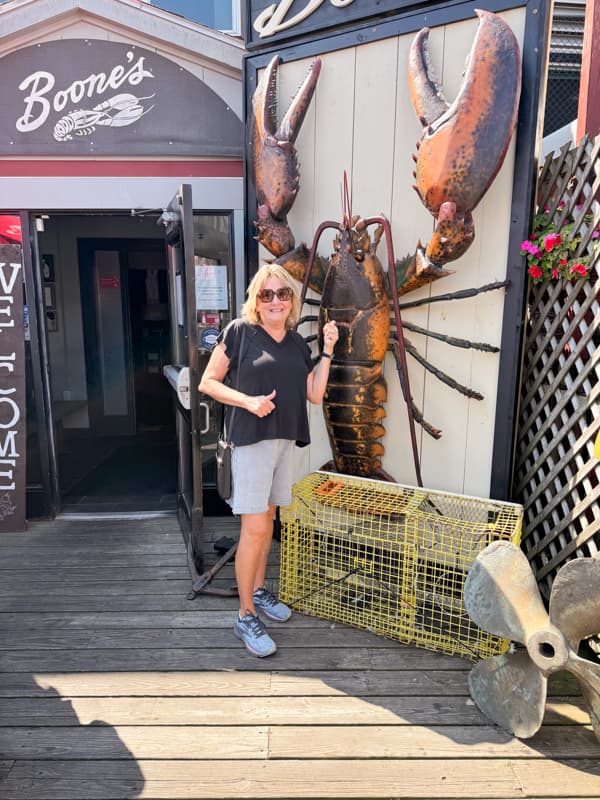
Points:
206	409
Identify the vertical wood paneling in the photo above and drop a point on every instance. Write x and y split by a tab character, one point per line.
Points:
335	136
410	222
443	461
362	121
492	238
374	124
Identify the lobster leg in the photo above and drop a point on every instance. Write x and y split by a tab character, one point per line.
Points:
451	340
454	341
439	374
461	294
416	412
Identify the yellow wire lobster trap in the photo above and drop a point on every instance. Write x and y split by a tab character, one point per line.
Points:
390	558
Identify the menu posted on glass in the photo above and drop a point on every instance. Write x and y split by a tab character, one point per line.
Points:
211	287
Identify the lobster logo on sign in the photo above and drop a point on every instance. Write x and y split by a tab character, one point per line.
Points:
117	111
123	109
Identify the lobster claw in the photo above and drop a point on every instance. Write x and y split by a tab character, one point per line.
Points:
274	155
464	144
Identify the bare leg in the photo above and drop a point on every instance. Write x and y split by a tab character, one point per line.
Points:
261	571
252	555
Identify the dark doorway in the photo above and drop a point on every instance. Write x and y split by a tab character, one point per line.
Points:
125	459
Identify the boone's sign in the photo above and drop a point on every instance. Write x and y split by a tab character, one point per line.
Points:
85	96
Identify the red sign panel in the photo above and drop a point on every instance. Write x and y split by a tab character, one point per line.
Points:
109	282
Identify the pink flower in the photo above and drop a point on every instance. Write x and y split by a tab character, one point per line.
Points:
535	271
551	241
530	247
596	234
555	272
578	269
563	262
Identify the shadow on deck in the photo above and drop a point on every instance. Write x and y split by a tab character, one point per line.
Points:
114	685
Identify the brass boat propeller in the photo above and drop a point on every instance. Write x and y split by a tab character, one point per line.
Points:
502	597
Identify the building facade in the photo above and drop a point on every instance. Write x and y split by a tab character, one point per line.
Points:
123	133
124	160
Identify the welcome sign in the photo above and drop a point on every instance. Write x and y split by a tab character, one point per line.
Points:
93	97
12	391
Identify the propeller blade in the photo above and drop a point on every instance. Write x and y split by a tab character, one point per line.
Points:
511	691
588	675
501	594
575	600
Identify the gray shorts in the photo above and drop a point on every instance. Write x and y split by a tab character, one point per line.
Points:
262	474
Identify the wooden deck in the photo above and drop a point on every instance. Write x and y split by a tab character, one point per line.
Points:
114	685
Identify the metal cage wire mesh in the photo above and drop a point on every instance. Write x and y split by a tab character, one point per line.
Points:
390	558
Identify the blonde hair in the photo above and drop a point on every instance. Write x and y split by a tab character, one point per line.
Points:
249	309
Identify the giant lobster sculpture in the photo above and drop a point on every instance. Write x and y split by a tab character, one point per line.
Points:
462	149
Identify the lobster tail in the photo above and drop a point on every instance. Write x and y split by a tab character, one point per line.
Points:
354	408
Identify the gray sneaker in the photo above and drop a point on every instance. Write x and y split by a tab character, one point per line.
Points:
253	634
265	601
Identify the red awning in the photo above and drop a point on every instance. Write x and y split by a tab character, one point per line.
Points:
10	229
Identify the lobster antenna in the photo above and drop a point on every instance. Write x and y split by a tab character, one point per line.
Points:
346	202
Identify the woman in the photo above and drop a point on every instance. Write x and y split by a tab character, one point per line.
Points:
273	379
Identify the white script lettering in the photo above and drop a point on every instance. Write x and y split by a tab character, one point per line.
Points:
272	19
40	83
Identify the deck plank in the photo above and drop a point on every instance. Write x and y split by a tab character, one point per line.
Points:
290	742
114	685
384	778
339	710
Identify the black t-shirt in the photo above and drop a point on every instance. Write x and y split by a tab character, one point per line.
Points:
267	365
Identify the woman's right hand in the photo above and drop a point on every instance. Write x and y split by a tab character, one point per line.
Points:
261	404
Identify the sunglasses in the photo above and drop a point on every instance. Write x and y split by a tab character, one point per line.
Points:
267	295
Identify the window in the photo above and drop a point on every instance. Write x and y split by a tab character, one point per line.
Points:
222	15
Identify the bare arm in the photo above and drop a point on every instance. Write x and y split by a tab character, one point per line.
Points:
316	382
212	384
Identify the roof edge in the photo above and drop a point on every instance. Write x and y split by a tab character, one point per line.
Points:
19	16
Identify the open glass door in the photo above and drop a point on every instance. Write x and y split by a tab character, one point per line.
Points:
201	295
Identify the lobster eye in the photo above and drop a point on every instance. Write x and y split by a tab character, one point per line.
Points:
359	255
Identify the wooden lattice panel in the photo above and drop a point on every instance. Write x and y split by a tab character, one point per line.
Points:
556	475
